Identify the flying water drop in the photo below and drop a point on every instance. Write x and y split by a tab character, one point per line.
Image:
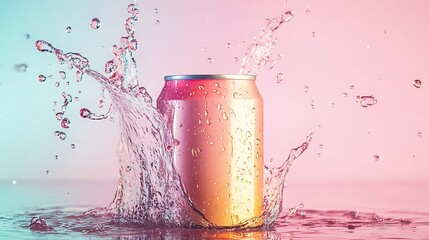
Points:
280	77
42	78
417	83
366	101
21	67
63	74
95	23
65	123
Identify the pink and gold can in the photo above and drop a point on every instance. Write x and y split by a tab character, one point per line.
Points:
217	123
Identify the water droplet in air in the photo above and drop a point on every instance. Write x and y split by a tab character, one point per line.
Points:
156	10
209	60
132	8
306	89
228	45
420	134
63	74
95	23
73	146
280	77
376	158
417	83
65	123
101	103
133	44
21	67
61	135
85	113
42	78
366	101
68	29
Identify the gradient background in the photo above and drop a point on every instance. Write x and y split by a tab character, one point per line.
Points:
380	47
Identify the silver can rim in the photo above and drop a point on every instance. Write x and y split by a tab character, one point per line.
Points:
210	76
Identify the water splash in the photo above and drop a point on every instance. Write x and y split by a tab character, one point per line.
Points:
258	54
149	189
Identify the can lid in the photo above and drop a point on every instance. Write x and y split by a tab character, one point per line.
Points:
210	76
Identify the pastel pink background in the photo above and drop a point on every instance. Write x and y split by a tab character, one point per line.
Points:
379	47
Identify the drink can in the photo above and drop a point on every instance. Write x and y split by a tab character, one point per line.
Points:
217	124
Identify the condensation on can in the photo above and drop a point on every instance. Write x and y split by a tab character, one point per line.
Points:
217	123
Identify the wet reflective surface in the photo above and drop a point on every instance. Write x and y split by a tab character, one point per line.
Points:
61	205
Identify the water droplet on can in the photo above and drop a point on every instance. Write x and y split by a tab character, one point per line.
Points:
68	29
195	151
157	22
420	134
73	146
57	84
345	95
306	89
417	83
156	10
209	60
228	45
307	12
95	23
235	59
352	87
14	182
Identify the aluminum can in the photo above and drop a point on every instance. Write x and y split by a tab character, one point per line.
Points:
217	124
